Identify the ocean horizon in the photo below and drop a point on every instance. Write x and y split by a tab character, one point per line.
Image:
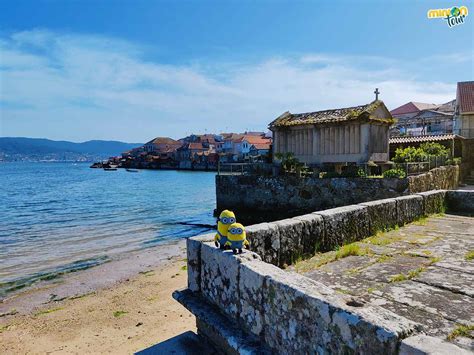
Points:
63	217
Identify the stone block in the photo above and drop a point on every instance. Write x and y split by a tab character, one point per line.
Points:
312	233
220	277
291	246
264	239
409	208
193	253
460	201
344	225
214	328
382	214
252	276
426	345
303	316
433	201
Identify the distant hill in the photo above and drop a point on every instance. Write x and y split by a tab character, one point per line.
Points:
35	149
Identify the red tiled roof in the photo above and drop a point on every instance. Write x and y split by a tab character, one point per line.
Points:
196	146
261	146
255	139
412	107
465	96
163	140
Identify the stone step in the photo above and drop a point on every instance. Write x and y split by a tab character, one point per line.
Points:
217	330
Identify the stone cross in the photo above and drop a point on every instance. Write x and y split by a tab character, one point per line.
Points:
376	92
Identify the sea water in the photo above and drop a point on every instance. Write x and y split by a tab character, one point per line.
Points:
57	218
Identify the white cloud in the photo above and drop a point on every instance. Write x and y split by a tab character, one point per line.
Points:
82	87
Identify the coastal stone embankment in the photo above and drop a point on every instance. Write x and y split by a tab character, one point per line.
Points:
246	303
258	198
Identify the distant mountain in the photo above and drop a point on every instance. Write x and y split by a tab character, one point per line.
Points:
35	149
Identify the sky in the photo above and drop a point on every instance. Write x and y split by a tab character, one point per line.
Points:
132	70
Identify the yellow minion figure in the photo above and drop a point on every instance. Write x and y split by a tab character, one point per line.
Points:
236	237
226	218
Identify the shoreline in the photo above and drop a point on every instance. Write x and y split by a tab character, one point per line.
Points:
121	306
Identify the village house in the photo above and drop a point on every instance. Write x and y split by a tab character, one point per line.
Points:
464	121
243	145
341	136
161	145
416	119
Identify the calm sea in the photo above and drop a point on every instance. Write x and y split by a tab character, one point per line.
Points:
63	217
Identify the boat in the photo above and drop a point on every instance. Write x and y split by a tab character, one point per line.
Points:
110	169
132	170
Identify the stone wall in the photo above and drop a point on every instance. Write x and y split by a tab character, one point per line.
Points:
261	199
284	312
445	177
246	304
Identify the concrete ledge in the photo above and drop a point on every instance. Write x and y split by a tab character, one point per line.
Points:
264	240
433	201
409	208
382	214
426	345
240	297
291	240
193	253
312	234
223	334
344	225
304	316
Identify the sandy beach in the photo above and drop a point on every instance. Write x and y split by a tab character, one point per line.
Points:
120	307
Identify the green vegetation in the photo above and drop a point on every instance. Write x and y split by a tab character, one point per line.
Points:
343	291
383	258
321	259
118	314
350	249
47	311
426	150
469	256
434	149
394	173
411	274
421	221
372	289
3	328
409	154
289	163
462	331
382	238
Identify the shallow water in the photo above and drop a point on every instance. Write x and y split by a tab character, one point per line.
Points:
57	218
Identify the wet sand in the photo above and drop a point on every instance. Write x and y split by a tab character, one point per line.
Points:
120	307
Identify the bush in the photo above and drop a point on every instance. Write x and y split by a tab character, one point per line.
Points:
409	154
288	162
434	149
454	161
394	173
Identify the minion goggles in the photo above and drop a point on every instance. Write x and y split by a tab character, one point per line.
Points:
226	220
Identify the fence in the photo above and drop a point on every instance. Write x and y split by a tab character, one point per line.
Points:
414	168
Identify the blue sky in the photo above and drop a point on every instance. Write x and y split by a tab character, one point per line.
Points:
132	70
